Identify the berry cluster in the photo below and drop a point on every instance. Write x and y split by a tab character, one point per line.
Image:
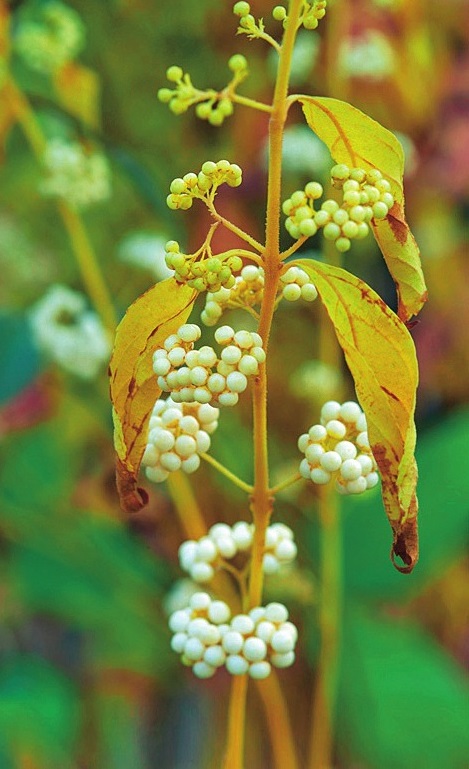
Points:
248	290
339	447
178	434
249	643
189	374
184	190
202	271
310	17
49	38
223	543
76	175
366	196
247	22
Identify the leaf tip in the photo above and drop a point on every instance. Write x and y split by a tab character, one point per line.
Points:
405	546
132	498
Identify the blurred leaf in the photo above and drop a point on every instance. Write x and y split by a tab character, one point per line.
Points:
78	92
444	508
356	139
380	354
403	702
149	320
39	712
19	359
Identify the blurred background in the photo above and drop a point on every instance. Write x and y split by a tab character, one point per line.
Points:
87	677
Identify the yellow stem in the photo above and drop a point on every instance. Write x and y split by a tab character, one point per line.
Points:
251	103
285	484
85	256
261	499
278	723
227	473
322	717
285	254
187	509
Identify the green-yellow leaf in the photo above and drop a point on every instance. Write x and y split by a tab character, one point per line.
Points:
148	321
356	139
78	91
380	354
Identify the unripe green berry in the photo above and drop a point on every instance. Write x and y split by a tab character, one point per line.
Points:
331	231
321	218
358	174
225	107
165	95
350	229
387	199
235	263
241	8
357	213
177	107
342	244
172	245
373	175
177	186
340	217
380	210
303	212
216	117
237	62
363	231
340	171
214	264
287	206
298	198
209	167
174	74
279	13
308	227
313	190
352	198
247	22
198	284
177	261
203	110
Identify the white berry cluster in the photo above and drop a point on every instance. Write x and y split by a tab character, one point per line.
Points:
366	196
178	434
183	191
202	271
312	13
50	37
248	291
223	543
207	638
79	177
199	375
69	333
339	448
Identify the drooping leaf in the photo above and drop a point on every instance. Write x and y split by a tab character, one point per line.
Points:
134	390
78	90
402	700
381	356
356	139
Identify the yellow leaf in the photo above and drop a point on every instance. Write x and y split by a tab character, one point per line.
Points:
78	92
381	357
356	139
148	321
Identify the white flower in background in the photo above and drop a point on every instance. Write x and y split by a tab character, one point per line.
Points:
68	333
145	250
79	177
50	38
370	56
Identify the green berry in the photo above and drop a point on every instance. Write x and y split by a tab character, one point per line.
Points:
387	199
331	231
198	284
203	110
331	206
225	107
310	22
178	186
177	106
373	176
241	8
303	212
357	213
174	74
214	264
342	245
380	210
224	274
235	263
352	198
308	227
358	175
340	217
172	245
313	190
216	117
237	63
279	13
340	171
298	198
363	230
165	95
350	229
209	167
322	218
287	207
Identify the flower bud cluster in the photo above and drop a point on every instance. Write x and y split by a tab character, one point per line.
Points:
213	273
339	448
208	638
247	22
178	434
223	543
80	177
310	17
366	197
183	96
199	375
184	190
248	291
51	37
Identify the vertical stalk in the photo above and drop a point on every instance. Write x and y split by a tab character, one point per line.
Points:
86	258
261	499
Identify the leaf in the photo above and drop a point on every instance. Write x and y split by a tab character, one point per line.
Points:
402	700
356	139
381	356
148	321
78	91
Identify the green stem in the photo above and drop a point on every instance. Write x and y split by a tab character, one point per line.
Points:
86	259
227	473
323	705
285	484
251	103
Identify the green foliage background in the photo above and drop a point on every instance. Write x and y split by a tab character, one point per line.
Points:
87	678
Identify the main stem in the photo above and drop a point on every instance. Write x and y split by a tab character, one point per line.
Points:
261	498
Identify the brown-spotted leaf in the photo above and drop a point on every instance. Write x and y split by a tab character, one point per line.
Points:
356	139
381	357
78	92
149	320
